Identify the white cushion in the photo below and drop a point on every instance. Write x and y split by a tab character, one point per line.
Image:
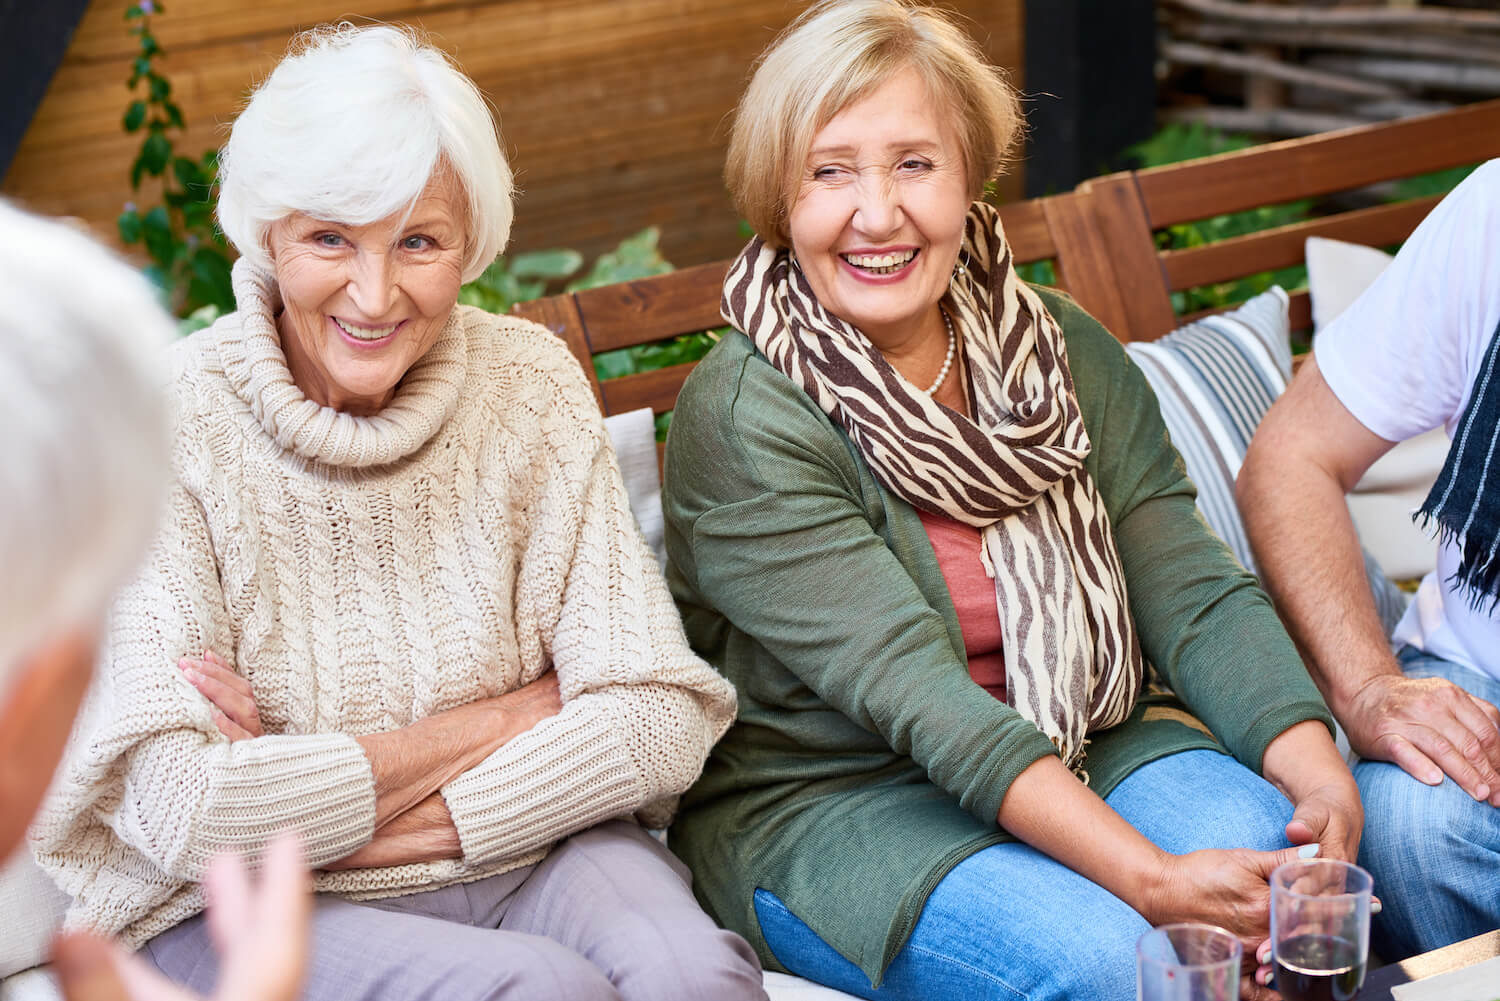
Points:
1382	502
634	438
33	985
31	910
781	987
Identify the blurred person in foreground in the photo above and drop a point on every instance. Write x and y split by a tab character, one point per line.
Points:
400	604
80	495
1417	350
927	518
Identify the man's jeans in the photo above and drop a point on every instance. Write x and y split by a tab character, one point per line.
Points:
1434	851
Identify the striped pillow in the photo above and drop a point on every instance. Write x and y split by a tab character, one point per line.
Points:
1215	379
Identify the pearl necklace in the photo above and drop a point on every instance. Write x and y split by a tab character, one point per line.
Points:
948	359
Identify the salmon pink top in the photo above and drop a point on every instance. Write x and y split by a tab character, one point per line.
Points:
957	547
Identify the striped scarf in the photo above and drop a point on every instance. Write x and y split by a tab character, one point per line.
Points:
1465	500
1015	470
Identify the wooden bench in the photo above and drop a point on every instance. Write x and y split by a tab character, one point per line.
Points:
1101	239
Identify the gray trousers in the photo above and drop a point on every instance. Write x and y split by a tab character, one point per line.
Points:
608	914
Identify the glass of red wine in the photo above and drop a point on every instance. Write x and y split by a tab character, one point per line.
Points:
1187	962
1320	929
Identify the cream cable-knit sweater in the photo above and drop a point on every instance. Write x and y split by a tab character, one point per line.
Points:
364	573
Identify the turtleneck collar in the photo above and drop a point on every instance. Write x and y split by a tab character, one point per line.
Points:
257	369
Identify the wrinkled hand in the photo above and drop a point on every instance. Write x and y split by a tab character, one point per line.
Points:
1230	889
1428	726
235	712
260	932
1330	817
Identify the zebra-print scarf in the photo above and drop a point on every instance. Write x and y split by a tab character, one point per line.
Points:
1015	470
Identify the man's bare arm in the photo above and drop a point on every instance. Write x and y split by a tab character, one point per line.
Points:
1307	453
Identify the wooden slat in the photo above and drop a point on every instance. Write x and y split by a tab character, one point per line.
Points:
1318	165
1026	230
652	309
1284	246
1119	238
1082	263
657	390
559	314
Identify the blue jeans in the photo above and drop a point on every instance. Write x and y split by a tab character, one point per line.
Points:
1434	852
1008	922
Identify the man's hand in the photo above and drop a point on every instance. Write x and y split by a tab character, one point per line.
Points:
1428	726
260	932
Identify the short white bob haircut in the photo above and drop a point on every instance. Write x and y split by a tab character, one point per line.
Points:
86	435
837	52
349	128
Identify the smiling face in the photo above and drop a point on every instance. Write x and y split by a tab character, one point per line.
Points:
879	214
363	303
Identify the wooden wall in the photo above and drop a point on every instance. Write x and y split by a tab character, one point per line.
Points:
614	111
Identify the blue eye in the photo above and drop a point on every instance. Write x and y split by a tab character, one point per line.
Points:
329	240
416	243
914	165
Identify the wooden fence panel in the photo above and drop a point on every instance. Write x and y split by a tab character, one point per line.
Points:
614	111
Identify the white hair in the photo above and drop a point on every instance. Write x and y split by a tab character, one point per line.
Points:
350	127
86	454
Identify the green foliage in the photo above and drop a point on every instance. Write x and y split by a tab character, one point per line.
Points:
189	258
1438	183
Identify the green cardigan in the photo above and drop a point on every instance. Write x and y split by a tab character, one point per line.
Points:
865	762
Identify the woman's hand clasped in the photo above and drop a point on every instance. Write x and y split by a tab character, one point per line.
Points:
1230	889
235	712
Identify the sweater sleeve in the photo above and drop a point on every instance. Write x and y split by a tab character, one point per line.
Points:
641	710
148	759
771	523
1203	620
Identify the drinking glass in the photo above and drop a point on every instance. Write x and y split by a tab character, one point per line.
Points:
1187	962
1320	929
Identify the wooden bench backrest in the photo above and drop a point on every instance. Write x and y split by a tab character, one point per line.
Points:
1124	210
1100	238
654	309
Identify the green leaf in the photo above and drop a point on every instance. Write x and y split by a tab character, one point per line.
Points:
203	316
155	152
135	116
161	88
139	68
129	225
187	172
133	11
211	270
174	115
136	169
161	244
149	46
546	264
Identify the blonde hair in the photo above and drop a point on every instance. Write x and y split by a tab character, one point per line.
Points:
350	127
837	52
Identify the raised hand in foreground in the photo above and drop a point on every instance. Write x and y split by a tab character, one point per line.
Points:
260	932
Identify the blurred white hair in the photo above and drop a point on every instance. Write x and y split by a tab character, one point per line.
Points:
349	128
85	460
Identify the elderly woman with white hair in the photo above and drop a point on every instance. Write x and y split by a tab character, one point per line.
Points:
927	519
400	604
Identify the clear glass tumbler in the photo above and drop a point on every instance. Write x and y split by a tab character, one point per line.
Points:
1187	962
1320	929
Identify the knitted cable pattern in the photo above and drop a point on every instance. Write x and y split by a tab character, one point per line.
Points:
363	573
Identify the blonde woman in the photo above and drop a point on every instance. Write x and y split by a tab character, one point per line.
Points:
926	517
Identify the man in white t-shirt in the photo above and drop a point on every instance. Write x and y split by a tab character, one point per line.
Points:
1417	350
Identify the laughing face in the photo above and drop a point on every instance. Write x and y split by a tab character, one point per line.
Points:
879	214
363	303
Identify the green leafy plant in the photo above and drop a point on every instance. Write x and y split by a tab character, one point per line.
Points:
189	258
